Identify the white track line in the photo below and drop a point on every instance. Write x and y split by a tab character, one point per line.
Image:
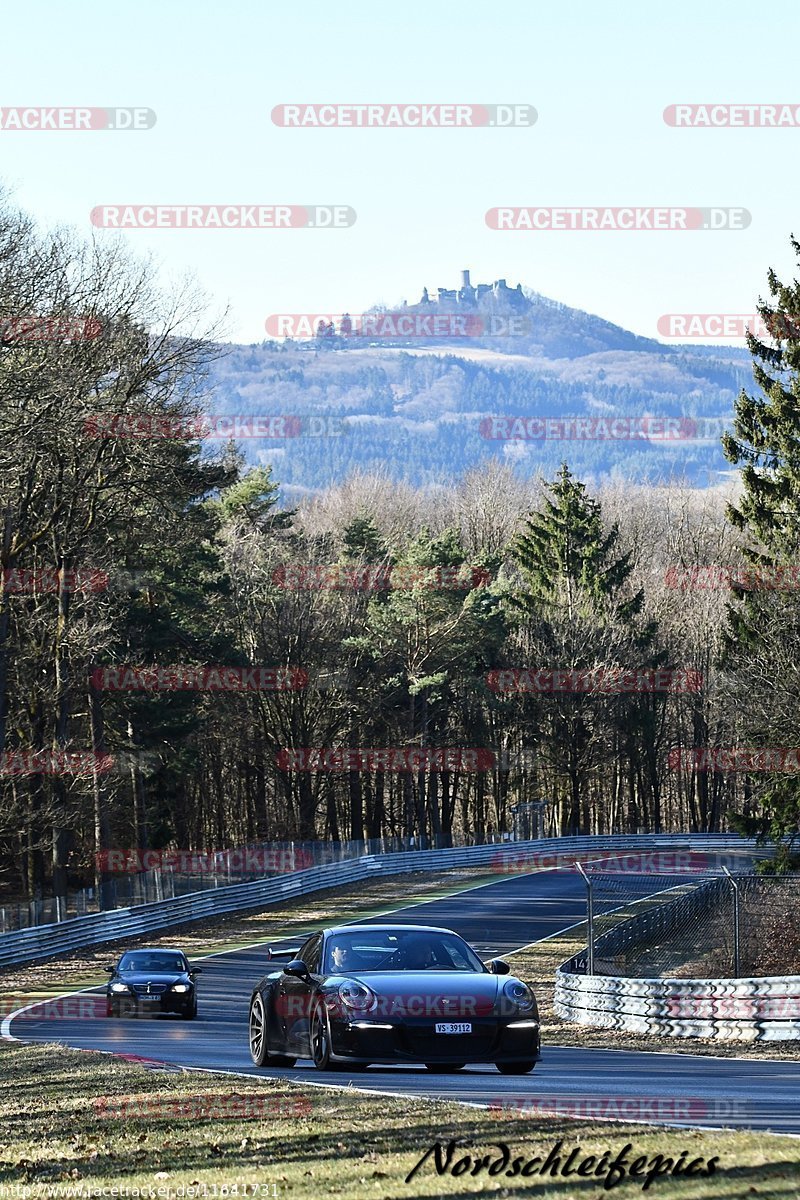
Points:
5	1031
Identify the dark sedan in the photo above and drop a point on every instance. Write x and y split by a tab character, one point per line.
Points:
356	995
152	982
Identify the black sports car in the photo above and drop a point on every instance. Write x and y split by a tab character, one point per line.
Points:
152	982
361	994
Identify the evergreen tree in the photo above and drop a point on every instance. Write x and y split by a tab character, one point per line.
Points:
576	613
567	557
361	539
762	642
766	430
254	497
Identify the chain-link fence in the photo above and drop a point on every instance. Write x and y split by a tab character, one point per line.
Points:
714	924
768	929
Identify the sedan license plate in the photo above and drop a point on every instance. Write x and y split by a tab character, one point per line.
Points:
454	1027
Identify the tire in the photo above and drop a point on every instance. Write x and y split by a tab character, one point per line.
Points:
515	1068
111	1011
320	1039
445	1068
191	1013
257	1037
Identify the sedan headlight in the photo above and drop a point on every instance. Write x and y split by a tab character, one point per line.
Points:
357	996
519	994
119	987
180	987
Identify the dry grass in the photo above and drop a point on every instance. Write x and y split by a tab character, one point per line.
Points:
87	1122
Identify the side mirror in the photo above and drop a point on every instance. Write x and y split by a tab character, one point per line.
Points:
296	968
109	969
498	967
195	971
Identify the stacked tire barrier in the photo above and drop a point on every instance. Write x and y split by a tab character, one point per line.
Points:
746	1010
750	1010
46	941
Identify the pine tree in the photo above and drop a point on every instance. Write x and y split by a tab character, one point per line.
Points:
762	641
254	496
576	613
766	437
566	556
361	539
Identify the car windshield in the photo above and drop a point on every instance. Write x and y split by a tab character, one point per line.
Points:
399	950
145	961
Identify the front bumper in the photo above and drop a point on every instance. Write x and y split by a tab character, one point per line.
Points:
167	1003
416	1041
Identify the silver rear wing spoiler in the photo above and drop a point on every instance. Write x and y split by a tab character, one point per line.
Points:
288	954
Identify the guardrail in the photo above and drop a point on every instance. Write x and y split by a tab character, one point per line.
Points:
149	876
751	1009
46	941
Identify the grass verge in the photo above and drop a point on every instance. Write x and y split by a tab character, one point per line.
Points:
72	1124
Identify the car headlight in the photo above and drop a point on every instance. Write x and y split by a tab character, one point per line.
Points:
519	994
357	996
181	987
119	987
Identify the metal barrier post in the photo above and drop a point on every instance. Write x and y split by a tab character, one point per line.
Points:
736	963
589	918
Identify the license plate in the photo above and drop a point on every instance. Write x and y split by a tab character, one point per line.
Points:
454	1027
150	999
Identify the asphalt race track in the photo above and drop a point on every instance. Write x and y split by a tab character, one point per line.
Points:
681	1089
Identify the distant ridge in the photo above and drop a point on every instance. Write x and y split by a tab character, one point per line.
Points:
423	408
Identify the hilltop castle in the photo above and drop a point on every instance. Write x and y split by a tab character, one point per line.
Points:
472	296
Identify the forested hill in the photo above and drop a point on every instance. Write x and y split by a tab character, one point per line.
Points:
423	408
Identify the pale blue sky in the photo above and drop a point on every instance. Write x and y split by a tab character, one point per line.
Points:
598	75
